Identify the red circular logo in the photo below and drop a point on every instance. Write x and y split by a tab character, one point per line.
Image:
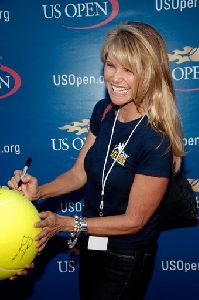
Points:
17	81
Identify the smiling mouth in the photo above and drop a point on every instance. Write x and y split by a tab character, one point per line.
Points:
119	90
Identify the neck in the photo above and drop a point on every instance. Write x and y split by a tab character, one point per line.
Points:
129	113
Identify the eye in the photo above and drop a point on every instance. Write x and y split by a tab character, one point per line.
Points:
109	64
128	70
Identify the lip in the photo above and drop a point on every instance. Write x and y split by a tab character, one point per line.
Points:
119	90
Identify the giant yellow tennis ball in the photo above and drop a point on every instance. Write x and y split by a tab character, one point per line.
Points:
17	232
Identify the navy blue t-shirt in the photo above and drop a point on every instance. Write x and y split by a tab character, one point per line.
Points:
146	153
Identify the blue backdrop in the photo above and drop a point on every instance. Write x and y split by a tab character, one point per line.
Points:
50	79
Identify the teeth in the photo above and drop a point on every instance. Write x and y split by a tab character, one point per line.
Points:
120	90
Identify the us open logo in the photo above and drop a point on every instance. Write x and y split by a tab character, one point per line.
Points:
185	71
74	141
83	15
10	82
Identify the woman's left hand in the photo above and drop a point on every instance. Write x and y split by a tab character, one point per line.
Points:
51	224
23	272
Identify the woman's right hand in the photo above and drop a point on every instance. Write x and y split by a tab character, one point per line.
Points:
29	186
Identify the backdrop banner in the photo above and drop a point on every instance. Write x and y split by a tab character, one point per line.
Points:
51	76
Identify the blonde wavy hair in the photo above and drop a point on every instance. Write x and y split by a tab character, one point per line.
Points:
139	48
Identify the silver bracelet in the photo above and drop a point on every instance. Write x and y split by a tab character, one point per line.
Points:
75	233
83	224
80	225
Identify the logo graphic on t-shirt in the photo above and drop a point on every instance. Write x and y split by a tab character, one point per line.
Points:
119	155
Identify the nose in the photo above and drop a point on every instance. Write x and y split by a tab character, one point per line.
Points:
117	75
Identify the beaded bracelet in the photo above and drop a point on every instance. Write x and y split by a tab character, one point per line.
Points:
80	225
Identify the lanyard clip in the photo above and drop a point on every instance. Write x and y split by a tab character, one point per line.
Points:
102	204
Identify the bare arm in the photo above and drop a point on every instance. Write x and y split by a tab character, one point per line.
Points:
71	180
67	182
145	196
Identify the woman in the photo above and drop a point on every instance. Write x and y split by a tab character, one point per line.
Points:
131	150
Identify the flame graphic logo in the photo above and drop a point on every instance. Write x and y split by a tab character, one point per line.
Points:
194	184
188	54
77	127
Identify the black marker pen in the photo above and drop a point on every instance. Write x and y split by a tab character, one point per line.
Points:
25	169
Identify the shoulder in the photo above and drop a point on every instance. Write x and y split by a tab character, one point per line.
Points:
101	105
153	138
154	158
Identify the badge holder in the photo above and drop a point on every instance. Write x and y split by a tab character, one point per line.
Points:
97	242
